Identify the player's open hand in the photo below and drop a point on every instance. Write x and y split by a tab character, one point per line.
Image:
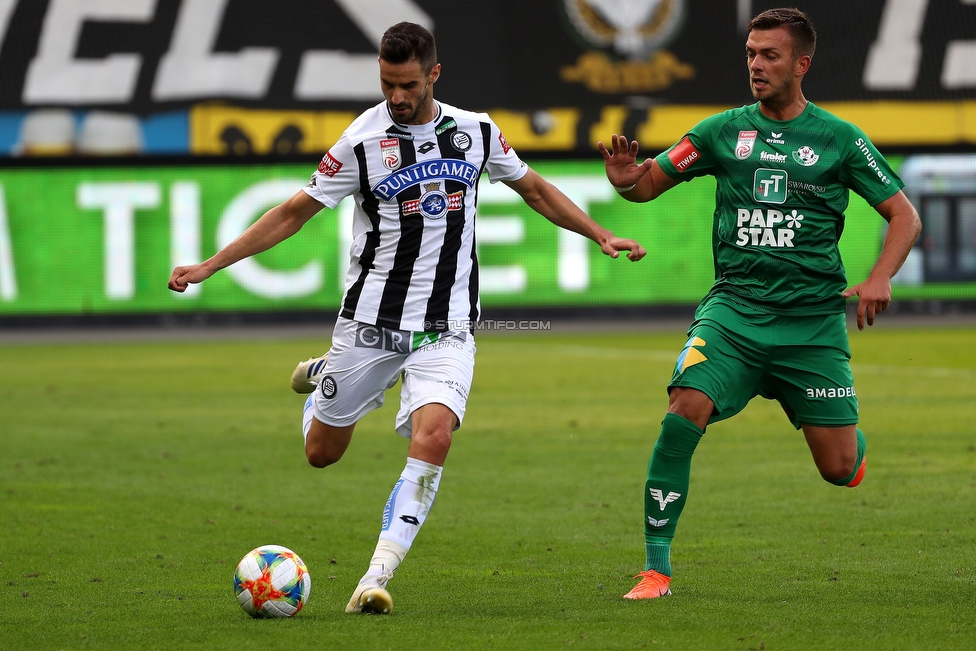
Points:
615	245
621	162
873	297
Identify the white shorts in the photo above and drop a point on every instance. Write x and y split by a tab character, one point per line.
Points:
366	360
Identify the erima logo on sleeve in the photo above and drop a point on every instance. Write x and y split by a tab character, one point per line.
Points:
683	155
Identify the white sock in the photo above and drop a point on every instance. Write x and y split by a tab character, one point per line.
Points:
386	558
307	416
405	512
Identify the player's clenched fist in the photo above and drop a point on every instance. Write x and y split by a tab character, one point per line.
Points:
183	276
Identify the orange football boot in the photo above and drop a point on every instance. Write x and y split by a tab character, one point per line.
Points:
652	585
860	473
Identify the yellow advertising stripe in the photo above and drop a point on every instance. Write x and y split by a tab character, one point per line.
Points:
319	130
611	122
906	123
557	132
885	123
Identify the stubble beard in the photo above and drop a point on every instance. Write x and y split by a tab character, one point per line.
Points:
423	102
775	99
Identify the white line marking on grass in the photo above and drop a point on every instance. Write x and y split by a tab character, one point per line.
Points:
926	371
618	353
671	356
592	351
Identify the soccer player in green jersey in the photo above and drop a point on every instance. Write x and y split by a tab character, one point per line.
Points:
773	323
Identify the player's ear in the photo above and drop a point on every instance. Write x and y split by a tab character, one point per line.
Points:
434	74
803	65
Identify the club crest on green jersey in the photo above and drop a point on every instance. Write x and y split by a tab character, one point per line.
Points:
806	156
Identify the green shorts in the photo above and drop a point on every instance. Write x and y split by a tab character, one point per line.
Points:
735	353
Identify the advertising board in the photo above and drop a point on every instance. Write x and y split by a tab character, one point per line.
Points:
103	240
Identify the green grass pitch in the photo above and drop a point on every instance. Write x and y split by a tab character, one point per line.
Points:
134	476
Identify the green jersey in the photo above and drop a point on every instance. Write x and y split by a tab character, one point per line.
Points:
782	189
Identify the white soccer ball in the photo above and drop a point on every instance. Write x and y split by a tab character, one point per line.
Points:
272	581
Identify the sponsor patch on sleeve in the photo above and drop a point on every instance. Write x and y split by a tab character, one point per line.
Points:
684	154
505	146
329	165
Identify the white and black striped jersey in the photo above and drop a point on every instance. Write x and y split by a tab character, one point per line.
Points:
413	260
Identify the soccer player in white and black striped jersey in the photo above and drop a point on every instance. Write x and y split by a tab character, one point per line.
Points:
411	305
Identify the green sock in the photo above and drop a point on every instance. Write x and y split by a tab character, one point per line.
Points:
665	492
658	555
862	445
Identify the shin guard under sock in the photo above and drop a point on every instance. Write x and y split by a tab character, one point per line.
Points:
666	489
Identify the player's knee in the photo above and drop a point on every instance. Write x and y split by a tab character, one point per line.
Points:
320	456
325	444
692	405
837	469
433	430
437	439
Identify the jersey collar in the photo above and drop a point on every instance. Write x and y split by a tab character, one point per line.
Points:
435	120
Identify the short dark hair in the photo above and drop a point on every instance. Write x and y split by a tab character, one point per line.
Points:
797	23
406	41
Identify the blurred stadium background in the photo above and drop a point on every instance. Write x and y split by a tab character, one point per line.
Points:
140	134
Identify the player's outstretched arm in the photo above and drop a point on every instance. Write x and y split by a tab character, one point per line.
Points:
634	182
548	201
276	225
874	294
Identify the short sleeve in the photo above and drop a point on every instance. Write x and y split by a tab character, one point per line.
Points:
864	169
691	156
337	176
503	163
